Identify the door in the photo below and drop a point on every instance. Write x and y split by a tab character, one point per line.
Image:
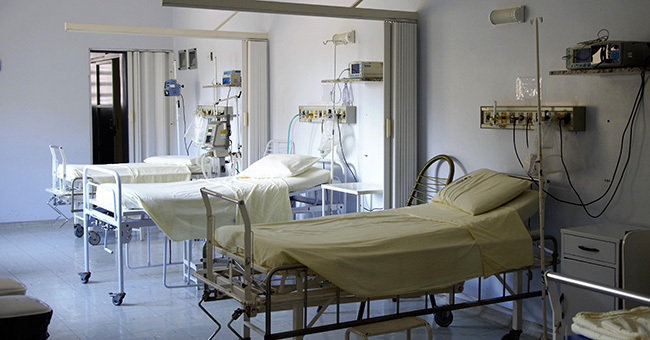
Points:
109	114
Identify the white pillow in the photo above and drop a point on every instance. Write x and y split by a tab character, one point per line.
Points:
279	165
172	160
481	190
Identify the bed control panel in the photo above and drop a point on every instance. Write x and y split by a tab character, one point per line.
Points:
525	117
320	113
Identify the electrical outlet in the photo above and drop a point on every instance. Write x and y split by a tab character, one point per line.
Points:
525	117
214	111
319	113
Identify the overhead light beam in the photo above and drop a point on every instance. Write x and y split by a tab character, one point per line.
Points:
295	9
162	31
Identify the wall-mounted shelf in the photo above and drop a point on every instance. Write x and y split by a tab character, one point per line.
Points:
218	85
615	70
343	80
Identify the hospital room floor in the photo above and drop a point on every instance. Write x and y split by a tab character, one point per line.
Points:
47	259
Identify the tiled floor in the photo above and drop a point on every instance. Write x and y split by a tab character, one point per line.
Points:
47	259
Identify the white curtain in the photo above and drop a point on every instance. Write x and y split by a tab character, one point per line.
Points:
255	100
400	106
152	120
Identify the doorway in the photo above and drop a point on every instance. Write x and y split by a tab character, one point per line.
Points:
110	141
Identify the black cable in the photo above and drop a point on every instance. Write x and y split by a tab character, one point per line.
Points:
527	129
514	145
630	125
343	152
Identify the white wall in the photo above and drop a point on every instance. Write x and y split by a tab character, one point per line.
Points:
464	63
467	63
228	54
44	88
300	60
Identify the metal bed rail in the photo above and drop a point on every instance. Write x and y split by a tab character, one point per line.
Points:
116	218
554	295
62	191
308	296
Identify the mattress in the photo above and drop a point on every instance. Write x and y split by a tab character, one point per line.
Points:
308	179
133	172
178	209
399	251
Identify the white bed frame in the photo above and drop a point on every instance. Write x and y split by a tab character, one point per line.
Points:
64	192
296	288
122	221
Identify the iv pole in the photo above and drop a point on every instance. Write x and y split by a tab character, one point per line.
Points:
179	138
540	175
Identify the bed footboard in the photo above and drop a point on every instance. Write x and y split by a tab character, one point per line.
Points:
111	217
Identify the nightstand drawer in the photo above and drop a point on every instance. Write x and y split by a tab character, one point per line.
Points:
589	249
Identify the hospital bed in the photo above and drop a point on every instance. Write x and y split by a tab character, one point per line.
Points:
620	324
470	230
177	207
67	178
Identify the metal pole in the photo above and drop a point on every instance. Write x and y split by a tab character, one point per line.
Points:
540	175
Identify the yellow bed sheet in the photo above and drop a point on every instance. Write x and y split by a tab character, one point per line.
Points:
399	251
132	173
178	209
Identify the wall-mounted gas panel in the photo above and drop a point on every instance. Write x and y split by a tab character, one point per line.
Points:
213	111
525	117
319	113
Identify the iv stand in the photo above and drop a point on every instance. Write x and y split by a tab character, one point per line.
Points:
540	176
179	138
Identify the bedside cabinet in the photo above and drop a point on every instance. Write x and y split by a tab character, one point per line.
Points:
610	254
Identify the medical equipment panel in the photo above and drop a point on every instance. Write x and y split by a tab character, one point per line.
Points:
525	117
232	78
320	113
608	54
366	69
211	111
217	137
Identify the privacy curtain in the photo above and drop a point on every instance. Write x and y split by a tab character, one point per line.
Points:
152	129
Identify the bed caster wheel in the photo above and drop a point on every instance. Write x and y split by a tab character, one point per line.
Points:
443	319
117	298
94	238
513	335
85	276
78	230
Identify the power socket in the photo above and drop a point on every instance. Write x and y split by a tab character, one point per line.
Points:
571	120
525	117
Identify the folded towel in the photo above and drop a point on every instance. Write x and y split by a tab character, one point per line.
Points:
618	324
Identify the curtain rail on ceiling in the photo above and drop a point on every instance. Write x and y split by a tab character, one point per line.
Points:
295	9
162	31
